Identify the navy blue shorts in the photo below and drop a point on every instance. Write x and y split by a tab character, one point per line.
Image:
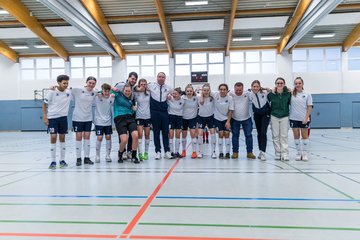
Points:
175	122
206	121
82	126
101	130
298	124
58	125
220	125
189	123
143	122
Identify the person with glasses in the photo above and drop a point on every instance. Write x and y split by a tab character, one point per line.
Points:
279	99
300	110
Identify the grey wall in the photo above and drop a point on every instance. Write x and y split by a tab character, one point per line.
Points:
330	111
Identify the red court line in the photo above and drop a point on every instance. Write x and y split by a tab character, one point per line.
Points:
144	207
63	235
191	238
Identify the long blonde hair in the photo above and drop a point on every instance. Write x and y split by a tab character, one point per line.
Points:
302	81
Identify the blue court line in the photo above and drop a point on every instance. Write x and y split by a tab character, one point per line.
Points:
183	197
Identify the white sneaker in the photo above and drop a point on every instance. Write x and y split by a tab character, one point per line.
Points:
168	155
213	155
124	157
158	156
97	159
108	158
305	157
298	157
277	157
262	157
200	155
285	158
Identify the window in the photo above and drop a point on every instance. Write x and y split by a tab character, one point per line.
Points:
98	67
253	62
213	63
41	68
316	60
354	59
148	65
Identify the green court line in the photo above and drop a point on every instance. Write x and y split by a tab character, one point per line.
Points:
179	206
60	222
324	183
247	226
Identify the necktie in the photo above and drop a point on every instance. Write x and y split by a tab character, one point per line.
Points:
160	92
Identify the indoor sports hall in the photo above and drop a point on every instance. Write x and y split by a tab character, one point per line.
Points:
299	181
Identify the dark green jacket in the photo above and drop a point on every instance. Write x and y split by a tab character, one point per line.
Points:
280	103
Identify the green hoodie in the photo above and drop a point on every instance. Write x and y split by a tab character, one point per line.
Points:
280	103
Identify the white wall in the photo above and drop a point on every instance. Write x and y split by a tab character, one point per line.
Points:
12	88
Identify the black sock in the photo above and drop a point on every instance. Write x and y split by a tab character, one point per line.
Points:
133	153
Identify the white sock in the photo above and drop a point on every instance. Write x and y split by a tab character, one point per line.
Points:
140	146
297	145
177	145
193	144
147	144
220	144
213	142
184	142
305	143
200	144
78	149
108	147
53	152
171	145
227	145
86	148
98	147
62	150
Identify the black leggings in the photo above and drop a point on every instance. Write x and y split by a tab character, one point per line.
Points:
262	123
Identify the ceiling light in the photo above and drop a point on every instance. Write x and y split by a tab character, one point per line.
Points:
83	45
203	40
15	47
130	43
157	42
324	35
3	12
41	46
241	39
194	3
269	37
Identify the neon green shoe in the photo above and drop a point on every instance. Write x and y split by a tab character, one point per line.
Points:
146	156
141	156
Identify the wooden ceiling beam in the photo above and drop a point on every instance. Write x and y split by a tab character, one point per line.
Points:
231	24
94	9
161	13
298	14
17	9
351	39
8	52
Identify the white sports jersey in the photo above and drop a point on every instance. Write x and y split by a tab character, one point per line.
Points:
155	90
207	109
298	105
143	105
262	98
58	103
222	106
241	106
103	110
84	100
190	107
175	107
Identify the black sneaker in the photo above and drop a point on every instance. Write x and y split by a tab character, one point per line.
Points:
135	160
52	165
120	160
63	164
207	140
88	161
221	156
227	156
177	155
78	162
